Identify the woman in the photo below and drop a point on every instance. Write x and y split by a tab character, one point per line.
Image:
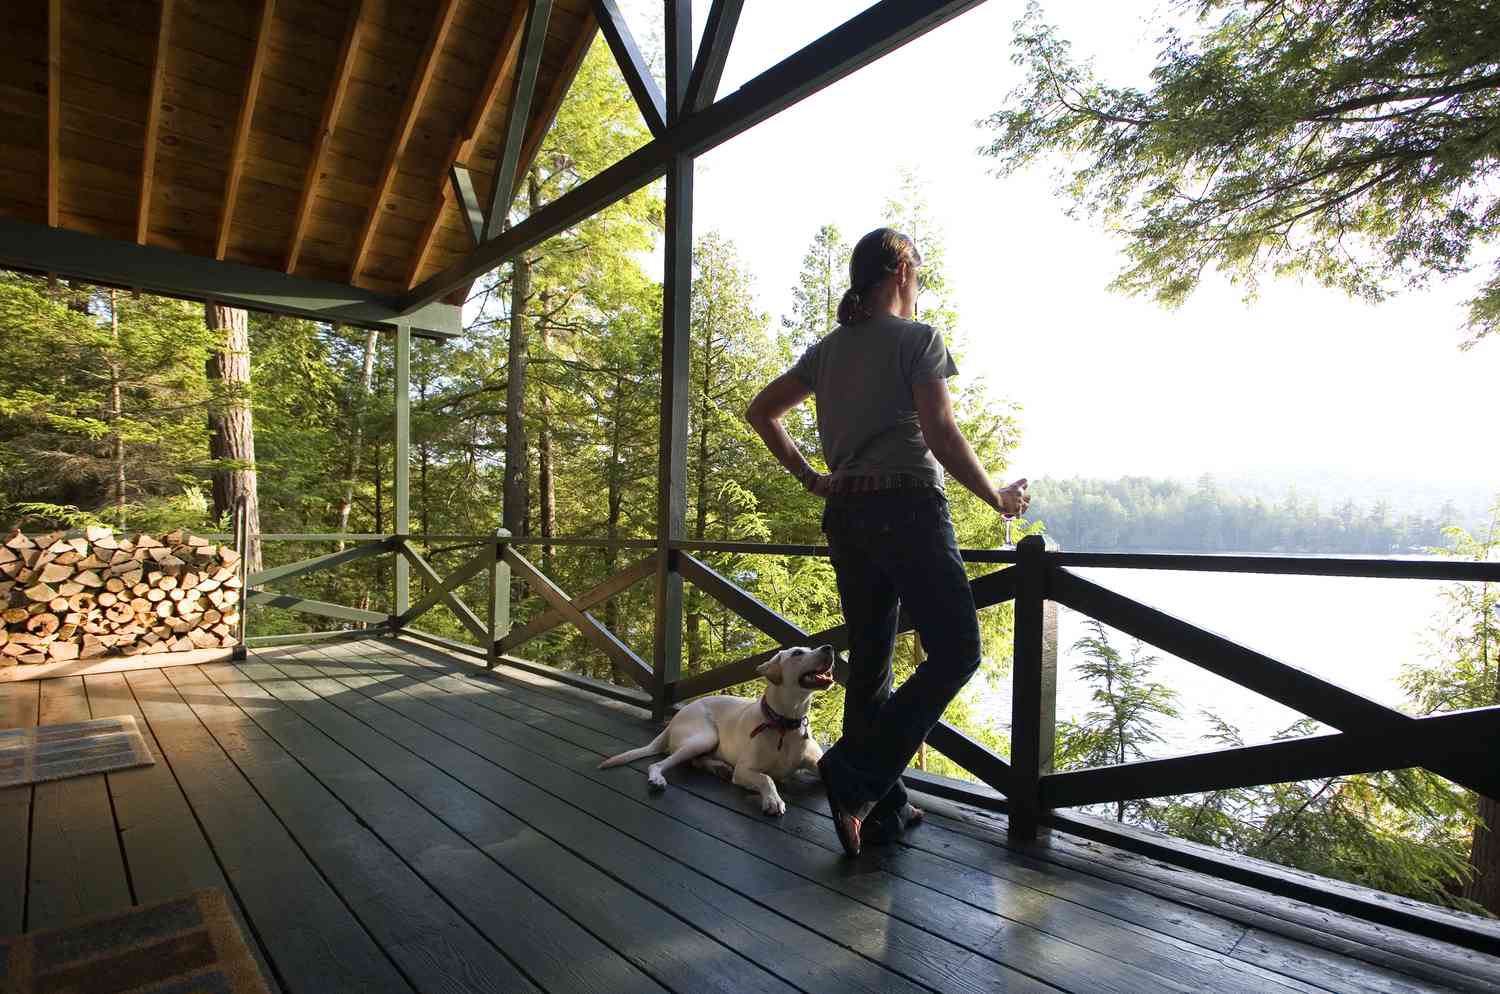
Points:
886	425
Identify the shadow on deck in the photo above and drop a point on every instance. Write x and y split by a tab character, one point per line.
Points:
386	819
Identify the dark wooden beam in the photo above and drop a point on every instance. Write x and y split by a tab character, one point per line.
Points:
866	37
1296	688
1391	569
713	53
502	68
343	70
54	108
508	167
549	620
738	600
648	96
1473	736
1034	695
989	590
242	126
676	342
972	756
462	185
618	652
743	670
405	124
153	122
35	248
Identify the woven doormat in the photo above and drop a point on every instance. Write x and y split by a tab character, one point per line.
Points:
188	945
52	752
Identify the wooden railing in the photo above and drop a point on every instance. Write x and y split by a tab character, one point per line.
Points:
1370	736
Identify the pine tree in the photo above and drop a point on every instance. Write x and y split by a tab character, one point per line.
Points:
1128	709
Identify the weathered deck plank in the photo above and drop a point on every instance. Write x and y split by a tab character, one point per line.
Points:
314	941
19	706
432	946
77	867
546	943
1063	943
1047	957
392	820
779	943
1372	965
165	849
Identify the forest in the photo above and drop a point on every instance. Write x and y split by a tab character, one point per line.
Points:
1139	514
542	419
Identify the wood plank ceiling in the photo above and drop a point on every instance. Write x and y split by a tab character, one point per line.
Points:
312	137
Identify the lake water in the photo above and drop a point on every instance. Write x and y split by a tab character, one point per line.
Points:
1357	633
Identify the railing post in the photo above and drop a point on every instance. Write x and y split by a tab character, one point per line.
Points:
242	546
498	615
1034	690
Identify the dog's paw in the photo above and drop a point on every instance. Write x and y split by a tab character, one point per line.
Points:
655	779
773	806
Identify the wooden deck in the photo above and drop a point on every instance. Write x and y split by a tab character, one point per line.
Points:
386	819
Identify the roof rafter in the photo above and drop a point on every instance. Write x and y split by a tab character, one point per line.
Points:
713	53
342	72
153	121
242	127
508	166
506	56
54	107
407	121
648	95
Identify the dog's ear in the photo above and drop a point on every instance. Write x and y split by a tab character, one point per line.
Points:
771	669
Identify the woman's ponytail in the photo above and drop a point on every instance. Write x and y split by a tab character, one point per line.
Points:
875	257
853	309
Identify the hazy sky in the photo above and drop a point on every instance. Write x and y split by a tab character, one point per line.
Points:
1303	377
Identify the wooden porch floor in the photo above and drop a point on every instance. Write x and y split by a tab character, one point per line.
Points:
384	819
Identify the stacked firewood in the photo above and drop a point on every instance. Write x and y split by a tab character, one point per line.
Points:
104	594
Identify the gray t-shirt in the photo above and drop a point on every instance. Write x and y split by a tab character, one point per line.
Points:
862	376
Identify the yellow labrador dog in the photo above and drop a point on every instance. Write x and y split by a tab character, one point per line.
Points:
752	743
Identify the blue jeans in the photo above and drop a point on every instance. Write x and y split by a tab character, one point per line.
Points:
895	550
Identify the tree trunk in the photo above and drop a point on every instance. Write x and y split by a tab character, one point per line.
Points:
615	500
517	489
544	477
116	409
231	443
351	461
694	604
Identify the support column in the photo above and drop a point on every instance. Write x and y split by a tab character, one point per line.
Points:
677	283
401	524
1033	720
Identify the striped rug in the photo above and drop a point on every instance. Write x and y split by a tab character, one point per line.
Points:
52	752
188	945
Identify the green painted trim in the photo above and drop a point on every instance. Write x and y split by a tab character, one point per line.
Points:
443	591
39	249
268	598
317	563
